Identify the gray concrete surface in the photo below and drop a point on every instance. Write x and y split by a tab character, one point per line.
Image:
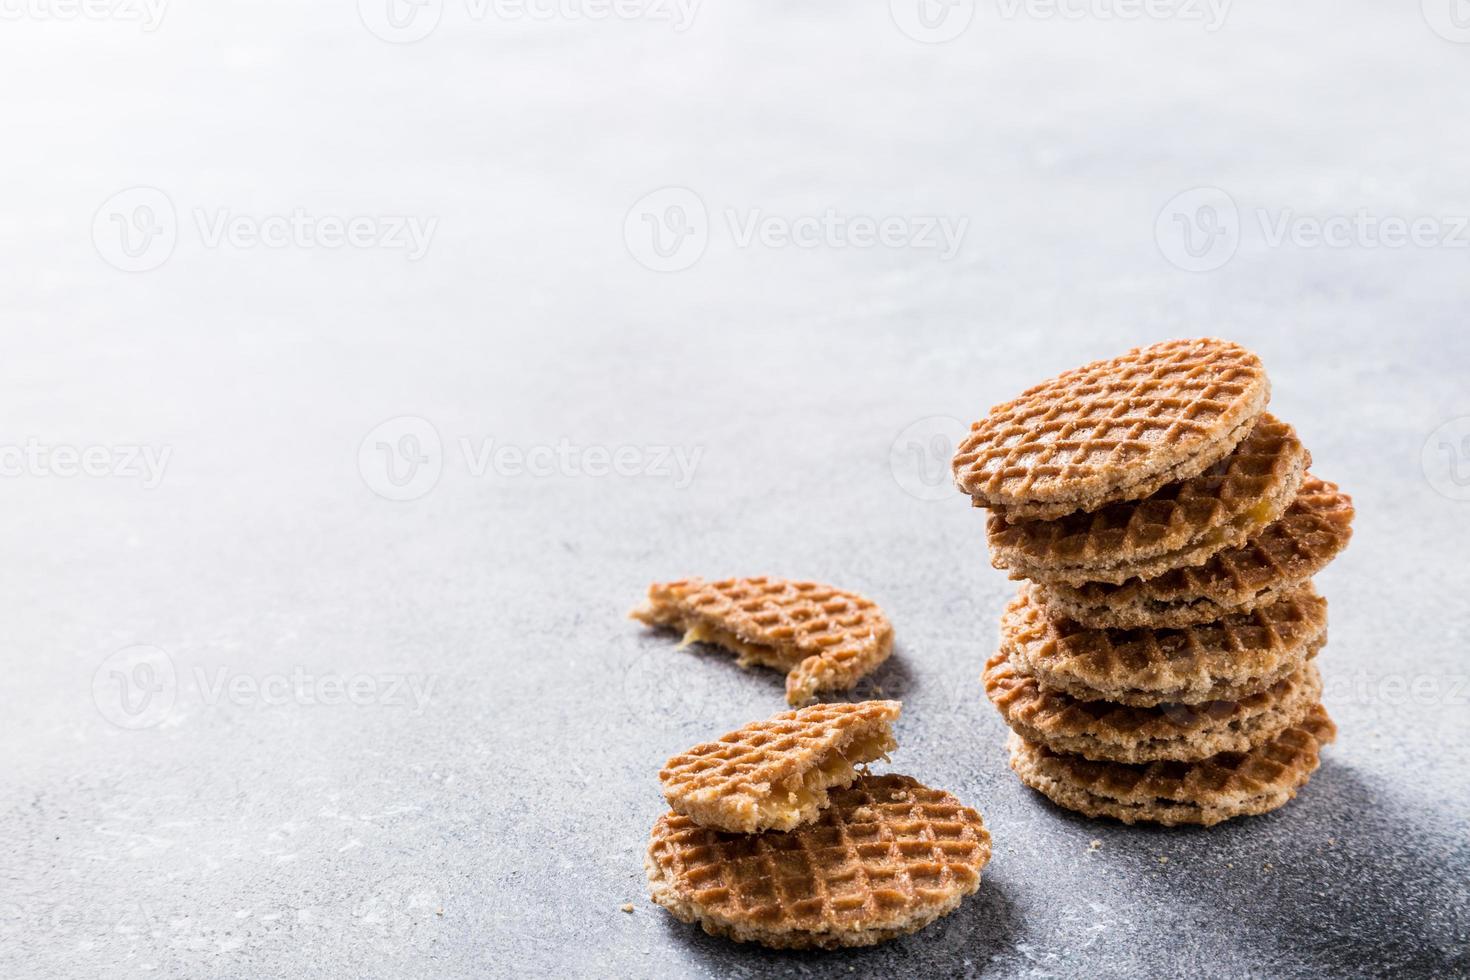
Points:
266	720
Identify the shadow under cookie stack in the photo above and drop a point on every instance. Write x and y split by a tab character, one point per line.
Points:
1157	664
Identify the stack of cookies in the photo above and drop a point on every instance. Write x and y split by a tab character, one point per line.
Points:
1157	664
779	835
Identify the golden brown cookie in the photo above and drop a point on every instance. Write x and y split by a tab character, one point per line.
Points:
1231	784
1117	429
1124	733
825	638
1179	525
776	774
1313	531
1221	661
888	857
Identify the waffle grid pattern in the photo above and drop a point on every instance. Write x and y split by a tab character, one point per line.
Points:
1312	532
1285	761
1176	516
888	853
834	637
1157	666
1146	666
1095	426
733	773
1125	733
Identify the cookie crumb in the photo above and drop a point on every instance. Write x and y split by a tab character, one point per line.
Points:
627	906
1094	845
1163	859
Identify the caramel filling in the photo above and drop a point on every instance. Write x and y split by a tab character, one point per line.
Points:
1246	523
799	797
747	653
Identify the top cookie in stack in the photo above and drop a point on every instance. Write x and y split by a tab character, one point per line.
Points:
1113	430
1169	527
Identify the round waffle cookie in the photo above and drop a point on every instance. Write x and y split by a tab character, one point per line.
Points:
1124	733
825	638
1312	532
1113	430
1226	660
888	857
777	774
1231	784
1180	525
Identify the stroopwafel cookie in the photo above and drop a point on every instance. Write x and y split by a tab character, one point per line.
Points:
1179	525
1231	784
826	639
777	774
888	857
1226	660
1103	730
1313	531
1116	429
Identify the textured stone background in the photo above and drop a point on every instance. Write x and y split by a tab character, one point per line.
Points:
168	823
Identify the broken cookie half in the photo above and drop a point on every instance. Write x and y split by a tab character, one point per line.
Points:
824	638
777	774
